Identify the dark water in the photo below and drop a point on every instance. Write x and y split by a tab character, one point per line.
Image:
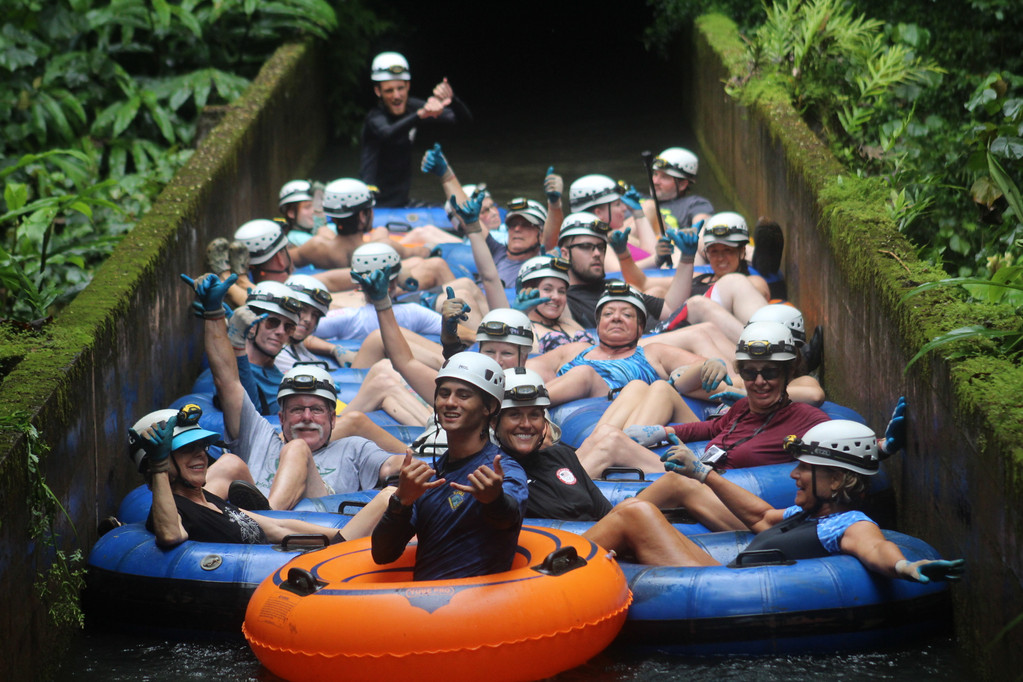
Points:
510	149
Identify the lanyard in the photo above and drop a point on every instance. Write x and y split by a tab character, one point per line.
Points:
756	433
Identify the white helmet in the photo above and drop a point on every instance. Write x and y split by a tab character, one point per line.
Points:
308	378
785	314
678	163
617	290
375	256
539	267
310	291
766	341
433	442
583	223
186	431
726	228
345	197
276	298
524	388
592	190
263	238
294	192
838	443
508	325
390	66
476	369
533	211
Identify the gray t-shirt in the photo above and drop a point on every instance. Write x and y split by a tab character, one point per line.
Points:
346	464
680	211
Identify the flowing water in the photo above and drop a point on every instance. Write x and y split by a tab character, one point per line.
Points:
511	153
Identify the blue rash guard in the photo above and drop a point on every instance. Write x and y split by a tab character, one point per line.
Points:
458	536
616	373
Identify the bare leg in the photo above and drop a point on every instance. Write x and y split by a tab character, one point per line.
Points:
296	477
228	467
672	490
739	296
354	423
642	403
578	382
639	528
608	446
703	339
702	309
363	523
372	350
384	389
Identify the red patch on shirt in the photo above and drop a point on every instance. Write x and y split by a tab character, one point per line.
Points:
566	476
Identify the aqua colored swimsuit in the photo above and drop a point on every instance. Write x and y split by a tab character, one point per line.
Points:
617	373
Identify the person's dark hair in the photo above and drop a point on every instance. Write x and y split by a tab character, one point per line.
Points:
349	225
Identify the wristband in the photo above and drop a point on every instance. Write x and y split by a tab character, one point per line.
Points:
473	227
637	214
214	314
687	259
383	304
159	467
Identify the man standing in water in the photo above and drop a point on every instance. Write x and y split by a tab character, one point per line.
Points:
391	126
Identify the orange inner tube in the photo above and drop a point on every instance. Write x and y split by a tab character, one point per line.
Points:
341	616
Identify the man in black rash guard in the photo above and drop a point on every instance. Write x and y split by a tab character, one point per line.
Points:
391	126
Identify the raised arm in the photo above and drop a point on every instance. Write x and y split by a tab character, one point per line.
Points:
469	212
681	286
156	441
553	187
420	376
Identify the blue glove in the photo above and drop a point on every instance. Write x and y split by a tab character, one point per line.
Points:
632	198
156	441
528	299
926	570
410	284
687	241
647	435
469	212
434	162
683	461
712	373
210	292
895	434
452	311
727	397
620	240
376	284
553	186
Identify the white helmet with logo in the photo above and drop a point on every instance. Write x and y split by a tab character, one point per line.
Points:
678	163
308	378
375	256
390	66
538	267
583	224
785	314
276	298
476	369
726	228
766	341
310	291
524	388
293	192
838	443
532	211
508	325
263	238
592	190
345	197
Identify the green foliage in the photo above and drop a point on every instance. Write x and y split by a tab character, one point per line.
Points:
99	110
673	17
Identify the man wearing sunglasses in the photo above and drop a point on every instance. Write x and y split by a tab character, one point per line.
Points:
390	128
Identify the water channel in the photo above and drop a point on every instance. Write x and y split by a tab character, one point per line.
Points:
511	153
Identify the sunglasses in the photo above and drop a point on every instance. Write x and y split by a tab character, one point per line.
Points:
769	373
272	323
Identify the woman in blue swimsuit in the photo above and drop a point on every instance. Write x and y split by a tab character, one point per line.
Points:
585	370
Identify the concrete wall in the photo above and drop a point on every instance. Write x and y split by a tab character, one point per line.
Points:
958	485
127	345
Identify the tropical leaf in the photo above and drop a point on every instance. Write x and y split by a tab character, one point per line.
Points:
972	332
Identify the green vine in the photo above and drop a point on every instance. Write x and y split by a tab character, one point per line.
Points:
57	586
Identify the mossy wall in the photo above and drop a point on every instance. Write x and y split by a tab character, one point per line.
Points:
127	344
847	266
